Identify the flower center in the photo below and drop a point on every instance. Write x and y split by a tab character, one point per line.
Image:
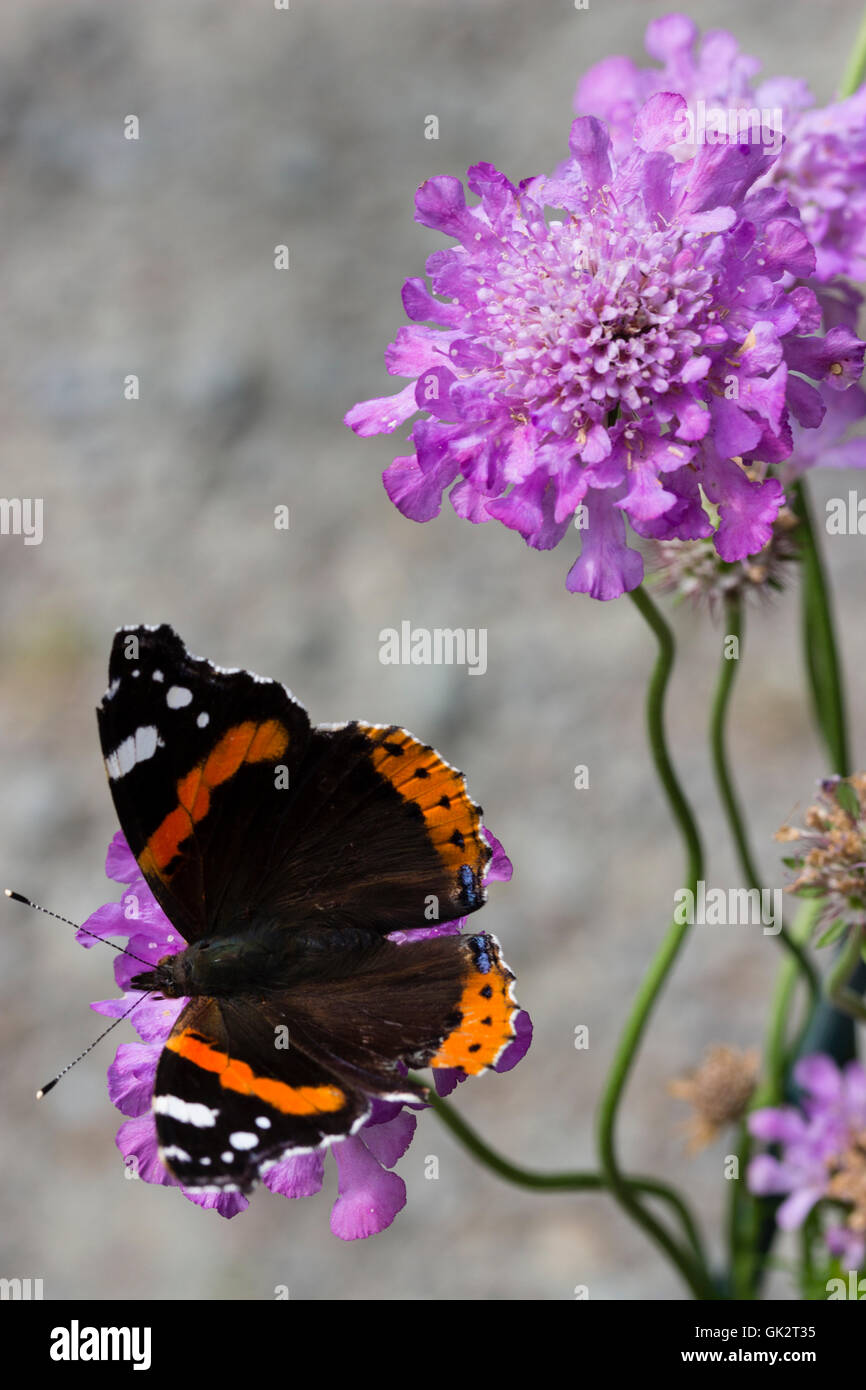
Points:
600	314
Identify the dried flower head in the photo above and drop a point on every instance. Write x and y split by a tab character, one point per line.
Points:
694	569
831	860
719	1090
848	1181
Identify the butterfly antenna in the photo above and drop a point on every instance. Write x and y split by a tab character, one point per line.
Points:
49	1085
28	902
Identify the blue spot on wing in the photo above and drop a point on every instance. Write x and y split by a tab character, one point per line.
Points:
481	953
469	890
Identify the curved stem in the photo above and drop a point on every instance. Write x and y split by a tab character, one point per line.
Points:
727	792
741	1223
856	65
840	973
696	1276
819	636
744	1215
682	812
752	1223
556	1182
776	1050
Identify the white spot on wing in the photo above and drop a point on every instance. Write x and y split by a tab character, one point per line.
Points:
125	755
177	696
203	720
146	741
243	1140
263	1122
157	676
187	1112
175	1151
136	749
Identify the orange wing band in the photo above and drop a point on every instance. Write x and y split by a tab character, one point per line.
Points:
245	743
239	1076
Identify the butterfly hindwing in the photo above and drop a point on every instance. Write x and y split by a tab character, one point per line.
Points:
229	1099
243	1082
441	1002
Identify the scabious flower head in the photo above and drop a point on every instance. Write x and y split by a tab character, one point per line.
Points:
694	570
830	861
822	165
611	362
369	1194
822	1152
718	1091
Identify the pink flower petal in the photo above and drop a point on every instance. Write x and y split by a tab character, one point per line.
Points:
369	1196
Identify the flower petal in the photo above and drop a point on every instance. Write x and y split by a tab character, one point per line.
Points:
519	1046
389	1141
606	567
793	1212
131	1077
120	862
298	1175
819	1076
136	1140
370	1196
383	414
500	868
228	1204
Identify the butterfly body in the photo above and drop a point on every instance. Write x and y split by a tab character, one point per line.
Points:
303	868
259	959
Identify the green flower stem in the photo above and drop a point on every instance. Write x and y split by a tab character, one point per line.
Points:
857	64
744	1210
736	824
696	1275
752	1223
776	1051
556	1182
819	642
840	973
656	730
740	1223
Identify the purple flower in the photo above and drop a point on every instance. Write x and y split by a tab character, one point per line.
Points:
822	1153
613	361
827	446
822	166
369	1193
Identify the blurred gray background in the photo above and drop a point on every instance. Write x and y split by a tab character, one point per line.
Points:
155	257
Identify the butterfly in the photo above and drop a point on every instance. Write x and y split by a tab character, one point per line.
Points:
298	863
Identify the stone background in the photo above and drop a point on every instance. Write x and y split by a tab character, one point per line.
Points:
156	257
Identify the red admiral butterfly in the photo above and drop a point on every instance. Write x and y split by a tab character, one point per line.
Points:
287	856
